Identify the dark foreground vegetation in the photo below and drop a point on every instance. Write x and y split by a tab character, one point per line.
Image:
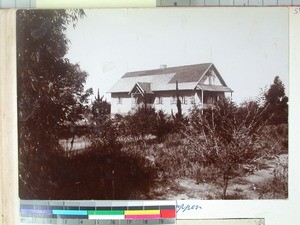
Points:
143	155
133	156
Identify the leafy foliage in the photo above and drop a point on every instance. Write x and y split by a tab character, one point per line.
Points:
104	135
141	122
100	107
146	121
163	126
50	88
277	102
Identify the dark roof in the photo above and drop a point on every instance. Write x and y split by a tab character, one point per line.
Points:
142	87
183	74
145	87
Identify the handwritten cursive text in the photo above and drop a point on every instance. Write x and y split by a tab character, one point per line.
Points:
187	207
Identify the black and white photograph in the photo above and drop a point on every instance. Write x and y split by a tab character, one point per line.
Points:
144	104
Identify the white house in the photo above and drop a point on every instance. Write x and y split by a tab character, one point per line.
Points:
198	85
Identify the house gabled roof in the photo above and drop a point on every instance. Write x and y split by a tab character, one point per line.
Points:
142	87
188	77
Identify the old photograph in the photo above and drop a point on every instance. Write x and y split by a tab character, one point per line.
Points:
182	103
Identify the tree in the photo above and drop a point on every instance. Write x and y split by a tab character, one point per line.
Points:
277	102
104	128
100	107
50	88
226	138
50	95
178	104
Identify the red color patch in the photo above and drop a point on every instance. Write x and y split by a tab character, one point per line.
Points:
167	213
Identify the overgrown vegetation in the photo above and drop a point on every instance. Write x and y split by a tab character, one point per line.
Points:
227	138
93	174
277	186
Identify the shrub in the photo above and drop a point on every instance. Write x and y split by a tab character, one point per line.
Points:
277	136
226	137
94	174
140	123
163	126
277	187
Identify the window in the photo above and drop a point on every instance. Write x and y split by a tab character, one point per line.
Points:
119	100
173	100
159	100
183	100
210	80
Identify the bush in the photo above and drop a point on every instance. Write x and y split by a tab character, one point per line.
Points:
277	187
145	121
105	134
94	174
141	123
163	126
276	137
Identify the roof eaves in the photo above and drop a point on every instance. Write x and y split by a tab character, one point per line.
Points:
140	89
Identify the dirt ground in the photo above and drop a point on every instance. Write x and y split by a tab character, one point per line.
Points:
80	143
248	187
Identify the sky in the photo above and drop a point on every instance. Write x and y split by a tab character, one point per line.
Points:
248	46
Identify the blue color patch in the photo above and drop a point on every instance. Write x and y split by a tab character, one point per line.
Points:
70	212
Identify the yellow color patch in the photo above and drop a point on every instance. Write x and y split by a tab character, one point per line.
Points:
142	212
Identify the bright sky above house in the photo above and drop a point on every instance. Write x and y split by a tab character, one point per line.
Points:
248	46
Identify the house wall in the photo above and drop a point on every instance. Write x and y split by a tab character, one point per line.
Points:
120	103
189	100
164	100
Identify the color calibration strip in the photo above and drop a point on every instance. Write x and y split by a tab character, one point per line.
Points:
97	212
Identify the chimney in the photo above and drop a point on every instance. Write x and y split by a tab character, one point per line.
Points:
163	66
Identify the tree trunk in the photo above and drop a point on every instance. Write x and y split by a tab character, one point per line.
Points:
178	104
72	141
226	179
